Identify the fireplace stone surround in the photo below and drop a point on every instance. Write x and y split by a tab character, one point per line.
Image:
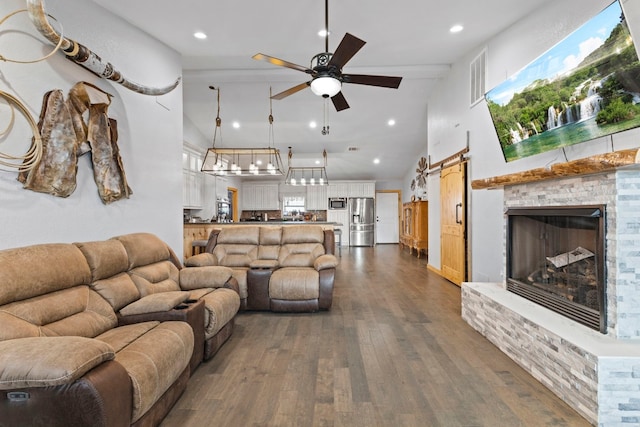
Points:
596	374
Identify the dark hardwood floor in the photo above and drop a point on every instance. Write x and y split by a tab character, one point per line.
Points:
392	351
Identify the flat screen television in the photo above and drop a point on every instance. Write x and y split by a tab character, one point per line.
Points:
585	87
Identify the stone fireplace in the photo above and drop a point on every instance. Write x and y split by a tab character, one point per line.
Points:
597	373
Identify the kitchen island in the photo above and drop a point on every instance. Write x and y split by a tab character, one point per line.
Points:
202	230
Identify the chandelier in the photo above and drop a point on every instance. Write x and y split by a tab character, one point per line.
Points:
307	175
242	161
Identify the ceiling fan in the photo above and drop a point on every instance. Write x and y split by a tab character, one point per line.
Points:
326	70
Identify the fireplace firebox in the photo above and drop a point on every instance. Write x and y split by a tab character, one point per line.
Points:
555	258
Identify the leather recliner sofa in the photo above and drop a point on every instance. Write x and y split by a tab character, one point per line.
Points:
81	345
289	268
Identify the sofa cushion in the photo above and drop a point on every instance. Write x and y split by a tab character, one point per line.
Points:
161	276
302	234
78	311
294	284
325	261
144	249
51	361
154	361
241	235
106	258
270	236
162	301
240	274
235	255
201	260
46	268
299	254
109	262
204	277
221	306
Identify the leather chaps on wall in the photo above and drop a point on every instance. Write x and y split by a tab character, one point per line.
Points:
66	136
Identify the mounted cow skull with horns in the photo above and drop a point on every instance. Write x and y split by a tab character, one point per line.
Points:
84	57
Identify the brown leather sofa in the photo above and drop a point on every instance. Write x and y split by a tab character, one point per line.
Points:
289	268
82	345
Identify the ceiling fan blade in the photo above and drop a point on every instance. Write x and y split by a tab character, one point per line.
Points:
339	101
281	63
291	91
363	79
348	47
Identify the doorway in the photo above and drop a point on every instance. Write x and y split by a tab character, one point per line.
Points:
453	223
388	216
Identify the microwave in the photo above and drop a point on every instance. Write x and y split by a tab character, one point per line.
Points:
337	203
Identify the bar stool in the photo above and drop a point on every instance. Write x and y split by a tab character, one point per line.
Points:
338	233
197	246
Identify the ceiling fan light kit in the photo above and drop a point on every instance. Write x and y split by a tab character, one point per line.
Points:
326	87
326	75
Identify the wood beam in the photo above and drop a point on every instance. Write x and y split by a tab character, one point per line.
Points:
595	164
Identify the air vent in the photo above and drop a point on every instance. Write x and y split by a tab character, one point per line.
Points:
352	149
477	76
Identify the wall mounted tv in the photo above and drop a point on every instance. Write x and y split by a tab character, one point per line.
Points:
585	87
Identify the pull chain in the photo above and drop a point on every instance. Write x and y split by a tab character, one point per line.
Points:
325	127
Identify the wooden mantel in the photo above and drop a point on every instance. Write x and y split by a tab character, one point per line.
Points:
589	165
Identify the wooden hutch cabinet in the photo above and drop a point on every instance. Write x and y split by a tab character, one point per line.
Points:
415	226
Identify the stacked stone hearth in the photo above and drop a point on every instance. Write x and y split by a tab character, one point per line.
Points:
597	374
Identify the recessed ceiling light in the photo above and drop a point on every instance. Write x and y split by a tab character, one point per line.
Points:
317	162
313	125
456	28
324	33
236	125
391	122
200	35
376	161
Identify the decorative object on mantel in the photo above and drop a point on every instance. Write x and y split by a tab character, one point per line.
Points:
589	165
84	57
66	136
242	161
307	175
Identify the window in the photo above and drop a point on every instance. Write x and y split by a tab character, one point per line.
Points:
292	205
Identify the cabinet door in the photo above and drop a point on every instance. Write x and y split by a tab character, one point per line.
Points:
316	198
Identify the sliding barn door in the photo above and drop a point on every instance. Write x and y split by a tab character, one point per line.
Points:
453	223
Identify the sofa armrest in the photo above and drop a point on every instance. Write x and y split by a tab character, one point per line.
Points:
49	361
161	301
204	277
201	260
325	261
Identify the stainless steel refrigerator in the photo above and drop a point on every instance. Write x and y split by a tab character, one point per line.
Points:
361	221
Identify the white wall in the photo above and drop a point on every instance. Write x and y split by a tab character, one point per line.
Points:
450	117
150	130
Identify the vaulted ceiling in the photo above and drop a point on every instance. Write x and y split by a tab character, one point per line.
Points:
407	38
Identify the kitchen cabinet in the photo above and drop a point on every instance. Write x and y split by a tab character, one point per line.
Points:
192	179
317	198
338	189
362	189
352	189
260	196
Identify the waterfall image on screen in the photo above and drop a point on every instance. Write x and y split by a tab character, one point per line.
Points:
585	87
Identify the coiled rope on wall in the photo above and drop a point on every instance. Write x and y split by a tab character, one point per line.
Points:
32	157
